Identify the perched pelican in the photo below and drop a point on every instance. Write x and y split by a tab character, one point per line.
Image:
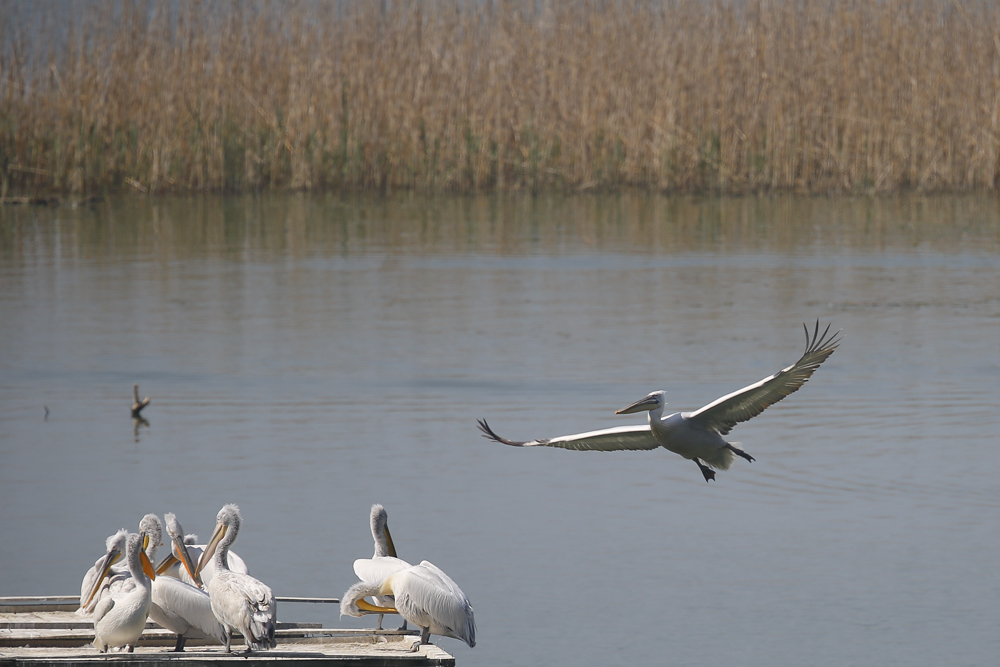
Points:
120	617
239	601
184	551
114	576
424	596
384	562
106	566
696	435
183	609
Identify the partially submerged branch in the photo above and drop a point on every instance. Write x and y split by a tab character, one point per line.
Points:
138	405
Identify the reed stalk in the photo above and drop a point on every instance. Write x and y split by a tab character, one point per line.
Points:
676	95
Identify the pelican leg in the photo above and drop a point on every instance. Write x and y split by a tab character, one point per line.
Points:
739	452
225	631
403	626
378	626
706	471
179	646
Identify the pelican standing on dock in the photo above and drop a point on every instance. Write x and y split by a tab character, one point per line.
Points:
114	576
239	601
696	435
424	596
177	606
373	570
120	617
107	565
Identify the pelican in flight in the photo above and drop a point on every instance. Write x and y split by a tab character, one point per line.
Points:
373	570
183	609
696	435
120	617
239	601
424	596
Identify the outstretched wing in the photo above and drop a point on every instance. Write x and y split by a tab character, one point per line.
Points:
739	406
606	440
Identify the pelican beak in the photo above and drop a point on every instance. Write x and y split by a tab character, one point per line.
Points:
646	403
185	559
388	542
110	559
364	605
165	564
147	567
213	544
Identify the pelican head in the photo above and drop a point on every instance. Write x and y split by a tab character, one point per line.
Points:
652	401
143	541
227	526
116	545
353	602
380	531
178	549
152	531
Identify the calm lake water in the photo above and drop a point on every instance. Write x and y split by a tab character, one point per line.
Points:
308	356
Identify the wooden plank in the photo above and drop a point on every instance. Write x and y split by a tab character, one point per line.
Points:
51	637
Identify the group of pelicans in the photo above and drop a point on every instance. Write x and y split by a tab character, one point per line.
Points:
216	596
206	591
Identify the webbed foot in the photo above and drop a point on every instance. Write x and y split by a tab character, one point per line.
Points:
706	471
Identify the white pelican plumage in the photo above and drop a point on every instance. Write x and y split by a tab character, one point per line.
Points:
179	560
696	435
183	609
120	617
107	565
239	601
384	562
424	596
114	576
184	551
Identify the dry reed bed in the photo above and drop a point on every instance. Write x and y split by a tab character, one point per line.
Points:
680	95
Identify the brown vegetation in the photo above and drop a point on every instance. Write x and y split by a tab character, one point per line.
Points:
679	95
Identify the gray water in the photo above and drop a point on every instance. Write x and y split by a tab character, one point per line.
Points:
308	356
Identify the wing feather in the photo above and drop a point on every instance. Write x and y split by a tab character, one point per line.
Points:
635	437
434	596
374	570
724	413
182	604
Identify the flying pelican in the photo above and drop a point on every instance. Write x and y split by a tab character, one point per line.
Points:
185	551
120	617
424	596
106	566
696	435
183	609
239	601
384	562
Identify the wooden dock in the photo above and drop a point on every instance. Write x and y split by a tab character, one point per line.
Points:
46	631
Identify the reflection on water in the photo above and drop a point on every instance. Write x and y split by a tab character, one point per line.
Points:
307	356
299	226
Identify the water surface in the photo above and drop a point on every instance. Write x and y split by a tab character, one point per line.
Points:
308	356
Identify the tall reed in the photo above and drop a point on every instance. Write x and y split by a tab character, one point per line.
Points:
677	95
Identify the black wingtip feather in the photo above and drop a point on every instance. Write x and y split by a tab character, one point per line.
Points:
489	434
